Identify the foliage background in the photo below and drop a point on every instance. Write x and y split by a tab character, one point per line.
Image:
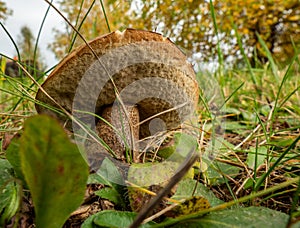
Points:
189	24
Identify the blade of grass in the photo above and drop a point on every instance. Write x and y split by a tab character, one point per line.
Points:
265	175
105	16
38	37
269	56
74	34
288	97
285	77
296	50
220	55
295	203
96	136
255	163
80	25
11	39
248	64
231	95
219	170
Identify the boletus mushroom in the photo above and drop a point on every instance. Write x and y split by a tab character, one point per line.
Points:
137	80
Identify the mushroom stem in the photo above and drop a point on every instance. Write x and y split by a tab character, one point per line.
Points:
122	133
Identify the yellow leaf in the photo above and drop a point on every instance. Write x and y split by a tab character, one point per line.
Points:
3	64
245	31
294	18
190	206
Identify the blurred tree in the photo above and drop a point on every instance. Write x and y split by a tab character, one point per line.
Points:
4	11
276	22
26	43
190	25
30	54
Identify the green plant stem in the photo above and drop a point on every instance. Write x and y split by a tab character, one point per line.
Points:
80	25
105	16
11	39
295	202
220	55
38	37
263	177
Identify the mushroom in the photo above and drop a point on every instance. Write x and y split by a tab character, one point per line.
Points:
137	80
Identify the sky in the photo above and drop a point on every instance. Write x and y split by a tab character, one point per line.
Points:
31	14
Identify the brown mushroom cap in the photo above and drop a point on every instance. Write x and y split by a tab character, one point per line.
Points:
147	69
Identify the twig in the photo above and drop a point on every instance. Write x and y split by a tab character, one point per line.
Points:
246	139
182	170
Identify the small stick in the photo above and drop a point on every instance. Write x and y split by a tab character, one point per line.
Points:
245	140
182	170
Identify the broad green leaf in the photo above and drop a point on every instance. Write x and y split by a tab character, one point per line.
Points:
282	142
185	189
95	178
235	127
184	143
259	155
231	110
110	176
178	147
147	174
216	146
108	171
117	219
13	156
265	110
215	172
10	192
89	222
54	170
112	194
240	218
249	116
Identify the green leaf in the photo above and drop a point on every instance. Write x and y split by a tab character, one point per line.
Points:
282	142
110	176
108	171
235	127
259	156
240	217
217	171
216	146
10	192
95	178
249	116
147	174
54	170
185	189
110	218
112	194
89	222
13	156
230	110
178	147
